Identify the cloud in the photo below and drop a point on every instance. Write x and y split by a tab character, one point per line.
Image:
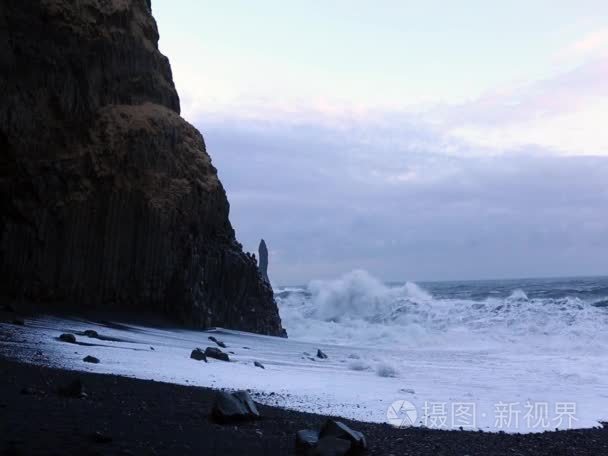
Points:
511	184
591	44
564	113
393	199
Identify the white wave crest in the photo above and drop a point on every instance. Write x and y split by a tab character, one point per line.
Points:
358	308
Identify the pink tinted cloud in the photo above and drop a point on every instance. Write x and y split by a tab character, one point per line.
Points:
589	44
564	93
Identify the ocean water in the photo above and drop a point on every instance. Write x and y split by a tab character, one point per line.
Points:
513	356
565	314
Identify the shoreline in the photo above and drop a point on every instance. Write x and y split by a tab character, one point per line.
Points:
149	417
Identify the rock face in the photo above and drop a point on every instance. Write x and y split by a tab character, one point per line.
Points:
108	198
263	254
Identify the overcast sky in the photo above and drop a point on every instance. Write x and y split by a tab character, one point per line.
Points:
418	140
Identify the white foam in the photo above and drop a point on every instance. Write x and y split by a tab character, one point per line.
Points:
358	309
385	343
334	386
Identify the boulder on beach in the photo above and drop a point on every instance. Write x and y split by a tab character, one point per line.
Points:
214	352
7	308
198	355
31	391
99	437
332	446
258	364
72	389
91	359
67	337
306	439
335	438
320	354
91	333
340	430
234	407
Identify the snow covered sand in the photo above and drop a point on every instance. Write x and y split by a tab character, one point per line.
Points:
356	382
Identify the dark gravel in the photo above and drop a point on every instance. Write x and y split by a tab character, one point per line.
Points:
121	416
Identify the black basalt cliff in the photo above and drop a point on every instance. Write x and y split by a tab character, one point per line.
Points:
108	197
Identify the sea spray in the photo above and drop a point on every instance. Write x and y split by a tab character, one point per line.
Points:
357	308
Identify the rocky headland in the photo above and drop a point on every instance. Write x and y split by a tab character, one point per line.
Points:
108	197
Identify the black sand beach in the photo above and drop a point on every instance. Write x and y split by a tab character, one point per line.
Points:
123	416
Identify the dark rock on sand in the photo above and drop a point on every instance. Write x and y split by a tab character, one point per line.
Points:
91	333
72	389
234	407
217	341
263	266
214	352
91	359
332	446
67	337
100	437
109	200
7	308
30	391
321	355
334	439
258	364
198	355
306	439
340	430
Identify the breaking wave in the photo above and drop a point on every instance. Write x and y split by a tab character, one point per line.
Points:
359	309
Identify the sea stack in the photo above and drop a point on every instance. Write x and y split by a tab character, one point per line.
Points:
108	197
263	254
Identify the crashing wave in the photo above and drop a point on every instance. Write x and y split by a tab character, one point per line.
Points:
358	308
